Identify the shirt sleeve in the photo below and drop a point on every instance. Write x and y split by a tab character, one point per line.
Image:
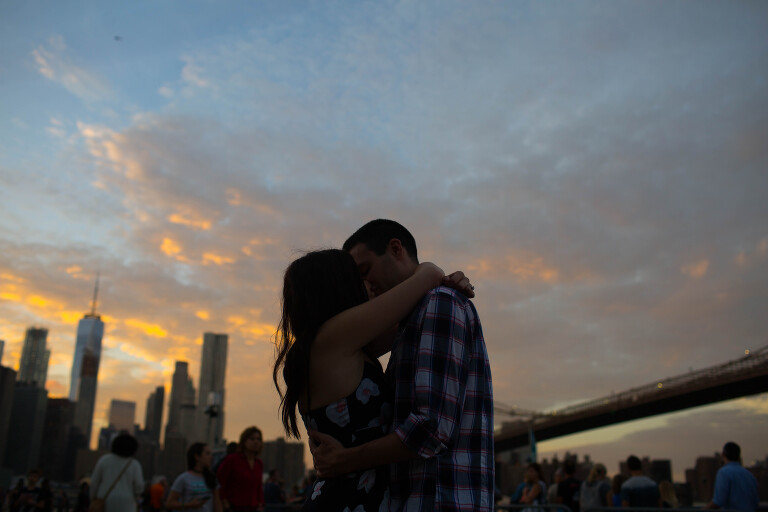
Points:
179	484
138	478
96	478
722	489
223	476
440	377
625	494
260	485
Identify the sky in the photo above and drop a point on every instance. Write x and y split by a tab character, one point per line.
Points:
599	170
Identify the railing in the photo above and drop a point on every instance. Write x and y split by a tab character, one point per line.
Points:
554	507
651	509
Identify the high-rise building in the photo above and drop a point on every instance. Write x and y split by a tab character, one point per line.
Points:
210	402
153	417
288	458
33	368
25	429
2	348
85	368
7	385
57	459
122	415
702	478
90	330
181	404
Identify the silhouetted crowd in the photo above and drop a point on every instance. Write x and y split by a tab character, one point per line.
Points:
735	487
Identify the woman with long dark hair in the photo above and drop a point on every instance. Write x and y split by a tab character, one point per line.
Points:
535	490
195	488
326	327
240	474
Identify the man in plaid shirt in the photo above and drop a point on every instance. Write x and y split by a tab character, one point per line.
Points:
441	447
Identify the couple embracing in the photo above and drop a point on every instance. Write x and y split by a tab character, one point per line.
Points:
416	437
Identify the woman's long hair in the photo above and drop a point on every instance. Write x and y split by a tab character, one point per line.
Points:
245	434
196	450
596	472
316	287
539	473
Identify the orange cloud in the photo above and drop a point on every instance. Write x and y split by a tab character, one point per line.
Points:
77	272
534	269
177	353
696	270
153	330
13	297
173	249
56	388
234	197
10	277
746	258
521	267
70	317
202	315
236	320
762	247
262	330
209	257
37	300
177	218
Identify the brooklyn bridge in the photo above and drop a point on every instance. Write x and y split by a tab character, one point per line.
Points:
741	377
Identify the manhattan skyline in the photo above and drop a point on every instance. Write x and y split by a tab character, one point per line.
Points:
597	170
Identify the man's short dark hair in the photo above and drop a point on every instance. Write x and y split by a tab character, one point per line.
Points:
634	464
732	451
125	445
569	467
376	234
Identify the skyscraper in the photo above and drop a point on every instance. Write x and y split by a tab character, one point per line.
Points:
33	368
25	429
85	367
153	417
122	415
90	328
2	348
57	455
288	458
181	405
210	401
7	385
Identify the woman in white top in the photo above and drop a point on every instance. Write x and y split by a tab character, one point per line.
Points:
195	489
125	472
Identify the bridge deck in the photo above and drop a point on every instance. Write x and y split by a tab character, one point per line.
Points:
742	377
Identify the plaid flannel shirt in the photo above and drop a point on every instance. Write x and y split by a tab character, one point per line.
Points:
443	408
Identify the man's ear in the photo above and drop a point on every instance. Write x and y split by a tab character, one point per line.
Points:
397	249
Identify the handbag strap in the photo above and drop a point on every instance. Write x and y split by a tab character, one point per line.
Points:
117	479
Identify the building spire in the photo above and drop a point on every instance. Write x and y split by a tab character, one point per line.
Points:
95	295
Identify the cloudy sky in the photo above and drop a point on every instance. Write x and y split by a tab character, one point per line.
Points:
599	169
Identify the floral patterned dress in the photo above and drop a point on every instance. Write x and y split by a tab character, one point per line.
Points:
362	416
